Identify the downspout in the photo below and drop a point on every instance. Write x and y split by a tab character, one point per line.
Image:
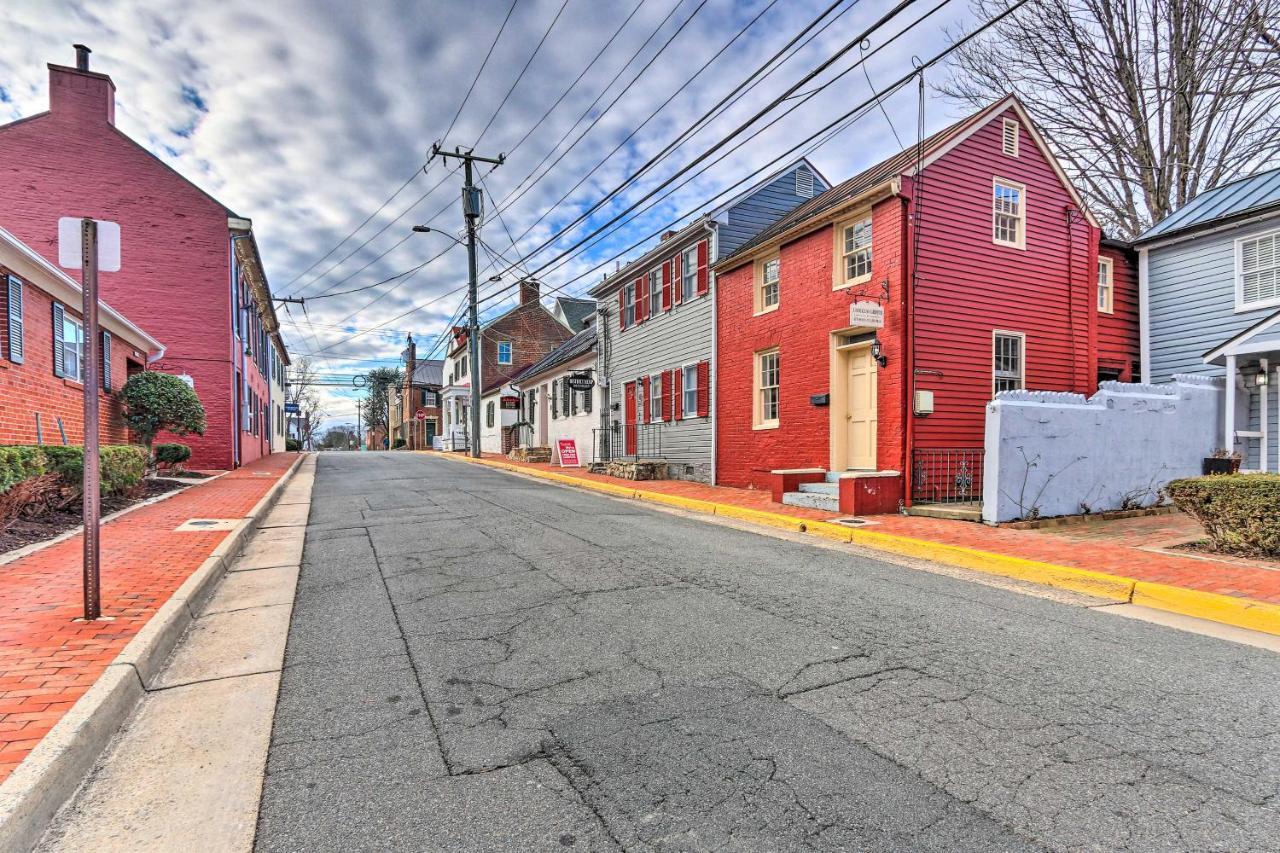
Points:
713	373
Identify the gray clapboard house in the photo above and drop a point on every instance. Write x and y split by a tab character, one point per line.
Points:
1209	296
656	349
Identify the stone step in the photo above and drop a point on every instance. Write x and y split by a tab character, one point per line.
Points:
820	488
812	500
955	512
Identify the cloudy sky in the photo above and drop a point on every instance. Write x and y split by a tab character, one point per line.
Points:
307	116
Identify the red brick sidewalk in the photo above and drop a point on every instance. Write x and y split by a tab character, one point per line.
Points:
47	660
1127	556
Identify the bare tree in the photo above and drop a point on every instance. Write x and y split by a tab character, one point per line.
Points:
301	389
1146	102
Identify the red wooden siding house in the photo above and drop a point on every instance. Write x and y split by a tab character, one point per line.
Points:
860	337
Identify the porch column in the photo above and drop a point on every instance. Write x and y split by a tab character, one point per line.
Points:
1264	415
1229	415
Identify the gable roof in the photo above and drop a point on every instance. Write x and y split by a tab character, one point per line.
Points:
576	310
813	212
1227	347
576	347
1242	197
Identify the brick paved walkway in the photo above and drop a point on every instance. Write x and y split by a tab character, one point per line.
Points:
47	660
1122	551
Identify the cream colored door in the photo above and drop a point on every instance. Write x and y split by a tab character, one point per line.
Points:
860	401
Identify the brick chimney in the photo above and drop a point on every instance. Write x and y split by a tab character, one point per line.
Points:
80	93
530	291
666	235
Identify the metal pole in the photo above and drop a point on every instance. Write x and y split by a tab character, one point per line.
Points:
473	324
89	375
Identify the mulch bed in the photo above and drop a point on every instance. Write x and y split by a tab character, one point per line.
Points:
1206	546
27	531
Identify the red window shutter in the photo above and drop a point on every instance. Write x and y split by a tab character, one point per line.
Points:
675	275
703	282
642	302
666	394
677	393
666	286
622	308
704	389
644	416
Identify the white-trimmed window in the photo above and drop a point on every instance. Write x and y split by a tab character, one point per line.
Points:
689	273
1009	137
854	251
689	391
655	292
1258	271
655	397
629	306
1106	286
767	389
767	284
1009	214
72	348
504	352
1009	364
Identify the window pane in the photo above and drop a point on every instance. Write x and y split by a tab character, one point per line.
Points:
689	389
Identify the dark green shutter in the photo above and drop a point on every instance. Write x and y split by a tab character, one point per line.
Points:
555	398
58	316
106	361
15	320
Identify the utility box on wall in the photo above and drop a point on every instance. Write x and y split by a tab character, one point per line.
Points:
924	403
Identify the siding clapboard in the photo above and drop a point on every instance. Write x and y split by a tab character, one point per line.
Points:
763	208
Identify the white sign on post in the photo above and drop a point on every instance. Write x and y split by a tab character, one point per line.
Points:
70	242
867	314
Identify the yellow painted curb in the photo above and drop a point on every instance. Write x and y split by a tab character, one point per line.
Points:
1229	610
1241	612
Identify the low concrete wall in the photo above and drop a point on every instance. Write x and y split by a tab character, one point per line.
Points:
1052	453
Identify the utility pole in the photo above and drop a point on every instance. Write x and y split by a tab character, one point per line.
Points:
472	210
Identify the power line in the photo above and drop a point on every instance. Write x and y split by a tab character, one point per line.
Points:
520	76
480	71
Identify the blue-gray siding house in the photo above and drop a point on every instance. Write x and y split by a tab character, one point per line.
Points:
656	352
1209	293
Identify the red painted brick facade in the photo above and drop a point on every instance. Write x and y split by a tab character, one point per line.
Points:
176	249
31	388
938	329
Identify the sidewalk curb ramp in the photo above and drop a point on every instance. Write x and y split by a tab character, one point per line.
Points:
1227	609
50	775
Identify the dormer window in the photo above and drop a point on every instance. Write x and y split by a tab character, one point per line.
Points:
1009	138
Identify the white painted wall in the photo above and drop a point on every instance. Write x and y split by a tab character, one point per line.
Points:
1055	451
491	436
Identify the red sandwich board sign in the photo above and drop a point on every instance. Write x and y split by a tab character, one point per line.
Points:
568	449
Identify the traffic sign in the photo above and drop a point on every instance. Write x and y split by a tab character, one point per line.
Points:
420	415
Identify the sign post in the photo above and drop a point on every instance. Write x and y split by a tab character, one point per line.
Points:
89	375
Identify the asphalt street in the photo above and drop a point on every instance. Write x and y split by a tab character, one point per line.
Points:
478	661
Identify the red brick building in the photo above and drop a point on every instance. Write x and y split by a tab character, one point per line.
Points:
42	370
860	337
190	271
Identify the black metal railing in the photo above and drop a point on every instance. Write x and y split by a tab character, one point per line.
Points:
627	442
946	475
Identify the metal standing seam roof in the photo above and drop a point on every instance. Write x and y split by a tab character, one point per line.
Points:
579	345
1252	193
428	372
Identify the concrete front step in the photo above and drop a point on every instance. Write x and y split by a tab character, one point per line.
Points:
813	500
821	488
956	512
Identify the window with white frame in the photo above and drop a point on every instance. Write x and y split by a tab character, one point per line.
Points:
1009	138
1106	289
504	352
629	306
689	391
655	397
767	295
1009	214
688	273
767	389
1258	271
72	348
1008	362
655	291
855	251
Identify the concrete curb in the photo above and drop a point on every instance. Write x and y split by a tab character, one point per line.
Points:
1229	610
53	771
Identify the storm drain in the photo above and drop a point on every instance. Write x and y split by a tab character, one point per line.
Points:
207	524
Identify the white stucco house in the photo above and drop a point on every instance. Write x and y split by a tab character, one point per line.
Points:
550	410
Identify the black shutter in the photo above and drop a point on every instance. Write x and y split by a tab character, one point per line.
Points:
15	320
58	316
586	399
106	361
555	398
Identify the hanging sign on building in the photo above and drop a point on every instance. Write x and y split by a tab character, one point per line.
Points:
568	449
580	381
867	314
510	403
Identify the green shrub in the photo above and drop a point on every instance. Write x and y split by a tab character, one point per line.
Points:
121	466
292	445
67	461
1240	512
400	442
171	454
160	401
18	463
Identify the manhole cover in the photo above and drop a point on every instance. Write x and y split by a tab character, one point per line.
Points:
853	522
207	524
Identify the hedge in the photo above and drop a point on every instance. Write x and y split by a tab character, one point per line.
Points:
171	455
1240	512
122	466
20	463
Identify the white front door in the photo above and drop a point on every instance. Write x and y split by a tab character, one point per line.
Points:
860	404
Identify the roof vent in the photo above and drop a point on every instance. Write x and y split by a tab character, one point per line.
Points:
804	183
82	57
